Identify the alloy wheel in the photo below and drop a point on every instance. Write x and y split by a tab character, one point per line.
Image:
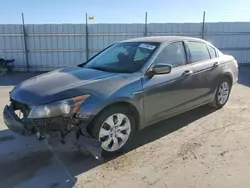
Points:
115	132
223	93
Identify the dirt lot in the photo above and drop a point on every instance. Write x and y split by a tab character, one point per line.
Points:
201	148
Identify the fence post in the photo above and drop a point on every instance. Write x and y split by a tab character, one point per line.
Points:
87	38
146	25
203	25
25	44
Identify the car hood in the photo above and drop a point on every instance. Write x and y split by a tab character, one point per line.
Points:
61	84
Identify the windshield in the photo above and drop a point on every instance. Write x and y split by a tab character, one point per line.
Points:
124	57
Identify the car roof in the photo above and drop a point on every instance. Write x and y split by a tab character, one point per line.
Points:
162	39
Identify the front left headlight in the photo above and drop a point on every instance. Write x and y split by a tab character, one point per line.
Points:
64	107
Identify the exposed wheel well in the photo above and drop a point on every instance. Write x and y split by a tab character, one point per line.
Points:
130	106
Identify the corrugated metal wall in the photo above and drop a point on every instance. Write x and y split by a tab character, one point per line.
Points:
52	46
11	43
103	35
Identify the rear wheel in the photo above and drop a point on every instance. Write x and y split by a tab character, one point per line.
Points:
222	93
114	127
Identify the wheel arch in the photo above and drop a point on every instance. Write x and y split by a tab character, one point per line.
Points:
127	104
229	76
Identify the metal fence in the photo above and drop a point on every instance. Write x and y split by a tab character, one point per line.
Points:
42	47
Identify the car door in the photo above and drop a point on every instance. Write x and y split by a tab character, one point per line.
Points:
206	70
166	94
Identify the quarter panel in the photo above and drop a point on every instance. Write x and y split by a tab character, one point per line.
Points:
229	67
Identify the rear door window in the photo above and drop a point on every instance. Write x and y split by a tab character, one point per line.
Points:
212	52
199	51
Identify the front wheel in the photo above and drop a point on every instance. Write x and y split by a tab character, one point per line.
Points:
114	127
222	93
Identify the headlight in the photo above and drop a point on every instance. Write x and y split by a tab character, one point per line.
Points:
64	107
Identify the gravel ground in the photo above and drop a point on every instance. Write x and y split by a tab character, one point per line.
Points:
201	148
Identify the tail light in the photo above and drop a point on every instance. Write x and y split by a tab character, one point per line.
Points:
236	63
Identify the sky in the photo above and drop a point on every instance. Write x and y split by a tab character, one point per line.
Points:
123	11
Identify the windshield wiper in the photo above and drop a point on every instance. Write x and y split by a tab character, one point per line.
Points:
98	68
82	64
109	70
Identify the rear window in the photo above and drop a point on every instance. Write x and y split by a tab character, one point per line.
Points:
199	51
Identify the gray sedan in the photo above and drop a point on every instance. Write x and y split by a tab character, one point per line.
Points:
124	88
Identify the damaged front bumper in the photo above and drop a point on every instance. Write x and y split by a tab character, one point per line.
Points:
15	124
28	127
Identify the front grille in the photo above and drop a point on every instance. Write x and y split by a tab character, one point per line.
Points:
24	108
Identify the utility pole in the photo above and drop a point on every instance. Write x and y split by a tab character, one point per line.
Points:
87	38
25	44
146	25
203	25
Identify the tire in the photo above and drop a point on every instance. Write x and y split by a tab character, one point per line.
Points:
218	102
100	124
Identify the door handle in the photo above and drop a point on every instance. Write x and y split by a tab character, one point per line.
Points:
187	73
216	64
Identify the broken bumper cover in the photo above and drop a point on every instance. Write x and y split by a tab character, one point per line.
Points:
92	145
14	123
27	127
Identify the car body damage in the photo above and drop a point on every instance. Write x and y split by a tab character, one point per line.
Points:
44	127
128	86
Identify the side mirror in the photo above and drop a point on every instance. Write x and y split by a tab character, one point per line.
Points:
162	69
